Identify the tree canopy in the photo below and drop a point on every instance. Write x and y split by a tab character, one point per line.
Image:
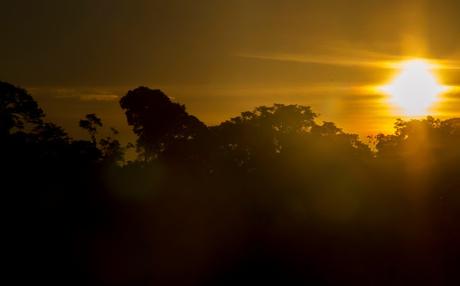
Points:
273	195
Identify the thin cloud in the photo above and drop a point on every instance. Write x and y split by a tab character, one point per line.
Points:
99	97
84	94
320	59
361	58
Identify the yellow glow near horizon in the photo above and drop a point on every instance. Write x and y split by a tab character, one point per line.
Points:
415	88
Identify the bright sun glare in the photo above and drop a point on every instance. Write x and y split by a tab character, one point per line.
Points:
415	88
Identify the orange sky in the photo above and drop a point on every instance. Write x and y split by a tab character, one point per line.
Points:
223	57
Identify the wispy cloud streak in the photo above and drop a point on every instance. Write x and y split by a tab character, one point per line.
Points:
352	59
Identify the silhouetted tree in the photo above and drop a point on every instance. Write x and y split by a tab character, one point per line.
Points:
271	196
91	123
111	148
270	132
414	137
18	110
158	121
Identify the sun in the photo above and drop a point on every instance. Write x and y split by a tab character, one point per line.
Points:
415	88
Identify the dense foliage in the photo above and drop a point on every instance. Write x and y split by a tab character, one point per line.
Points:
270	196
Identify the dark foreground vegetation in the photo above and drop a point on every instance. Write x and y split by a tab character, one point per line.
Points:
272	196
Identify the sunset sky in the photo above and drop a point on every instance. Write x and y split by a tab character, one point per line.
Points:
224	57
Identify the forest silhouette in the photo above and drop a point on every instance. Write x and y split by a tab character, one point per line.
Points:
271	196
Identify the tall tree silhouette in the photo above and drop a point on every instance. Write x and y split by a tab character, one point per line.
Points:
18	110
110	148
91	123
158	121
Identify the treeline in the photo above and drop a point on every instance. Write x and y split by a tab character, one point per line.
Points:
270	196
